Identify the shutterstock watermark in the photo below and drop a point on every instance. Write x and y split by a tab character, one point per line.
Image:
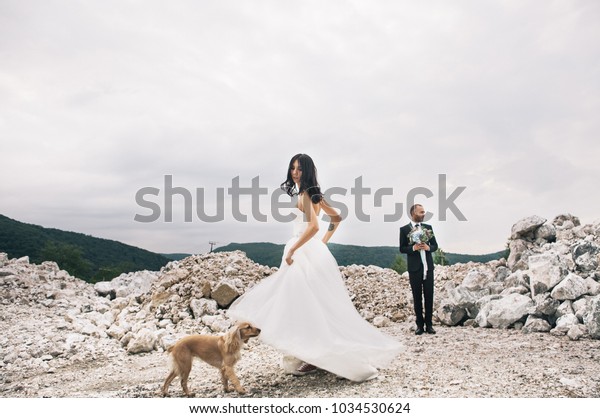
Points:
163	206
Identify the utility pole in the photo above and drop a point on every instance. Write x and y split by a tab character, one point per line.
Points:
212	243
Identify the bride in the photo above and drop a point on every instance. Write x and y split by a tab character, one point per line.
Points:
304	309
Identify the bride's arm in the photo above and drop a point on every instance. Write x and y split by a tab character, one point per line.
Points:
335	220
311	229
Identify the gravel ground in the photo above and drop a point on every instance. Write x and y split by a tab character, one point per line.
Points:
458	362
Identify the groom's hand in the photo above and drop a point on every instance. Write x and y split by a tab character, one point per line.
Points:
421	246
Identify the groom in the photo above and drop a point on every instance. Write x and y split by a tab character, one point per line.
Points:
421	286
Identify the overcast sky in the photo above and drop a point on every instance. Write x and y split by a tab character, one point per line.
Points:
99	99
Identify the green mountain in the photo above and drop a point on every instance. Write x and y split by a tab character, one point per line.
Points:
89	258
269	254
176	256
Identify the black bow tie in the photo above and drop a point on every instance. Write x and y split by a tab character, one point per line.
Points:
417	225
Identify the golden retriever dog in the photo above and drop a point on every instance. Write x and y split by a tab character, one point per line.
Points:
222	352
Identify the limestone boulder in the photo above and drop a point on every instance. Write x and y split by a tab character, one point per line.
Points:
450	314
201	307
517	248
546	232
564	323
546	271
476	280
577	332
592	318
142	342
535	324
381	321
565	219
526	226
570	288
225	293
503	312
544	304
593	287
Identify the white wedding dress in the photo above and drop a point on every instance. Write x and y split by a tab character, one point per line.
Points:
304	311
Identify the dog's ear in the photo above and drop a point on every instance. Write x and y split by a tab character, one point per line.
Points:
245	340
233	340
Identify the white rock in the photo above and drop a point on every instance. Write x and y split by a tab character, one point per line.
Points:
74	338
565	308
534	324
526	225
142	342
517	247
381	321
503	312
546	271
592	318
225	293
546	232
465	298
450	314
201	307
571	287
565	322
116	332
581	307
577	332
593	287
209	319
544	304
104	288
220	325
566	221
518	278
476	280
571	383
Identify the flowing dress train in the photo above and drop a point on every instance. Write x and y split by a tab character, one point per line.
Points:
304	311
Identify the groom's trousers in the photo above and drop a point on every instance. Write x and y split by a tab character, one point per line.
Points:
422	289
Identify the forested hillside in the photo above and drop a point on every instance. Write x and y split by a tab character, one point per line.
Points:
270	254
89	258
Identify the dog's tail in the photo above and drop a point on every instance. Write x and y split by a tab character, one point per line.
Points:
173	365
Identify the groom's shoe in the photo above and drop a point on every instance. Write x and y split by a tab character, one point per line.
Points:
419	331
430	330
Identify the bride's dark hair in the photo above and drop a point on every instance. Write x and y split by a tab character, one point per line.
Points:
308	180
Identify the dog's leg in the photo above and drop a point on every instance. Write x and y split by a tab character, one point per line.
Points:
230	374
224	380
184	385
170	377
185	367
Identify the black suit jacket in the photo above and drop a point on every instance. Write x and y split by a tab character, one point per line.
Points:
413	258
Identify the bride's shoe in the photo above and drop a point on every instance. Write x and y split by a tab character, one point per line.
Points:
305	368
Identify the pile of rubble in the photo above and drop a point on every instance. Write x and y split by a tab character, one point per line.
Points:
192	296
49	318
186	296
380	295
550	282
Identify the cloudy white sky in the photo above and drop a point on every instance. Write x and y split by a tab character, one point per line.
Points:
101	98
